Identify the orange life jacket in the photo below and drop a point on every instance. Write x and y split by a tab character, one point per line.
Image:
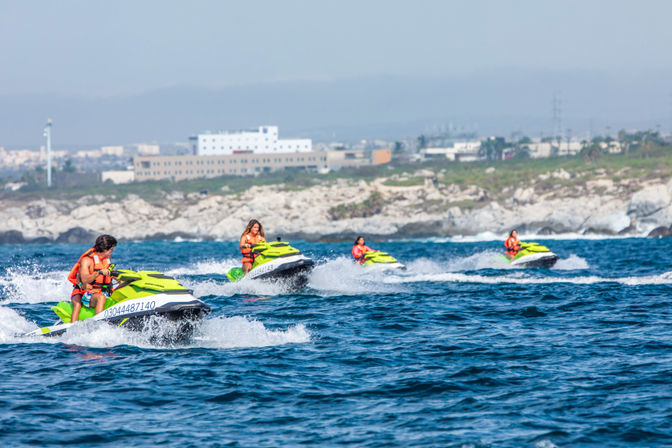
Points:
100	283
512	245
358	252
248	256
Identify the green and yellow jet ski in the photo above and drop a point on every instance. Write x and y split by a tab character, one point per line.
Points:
534	255
381	260
137	297
277	262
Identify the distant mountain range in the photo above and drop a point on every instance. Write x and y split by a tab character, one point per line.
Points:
497	102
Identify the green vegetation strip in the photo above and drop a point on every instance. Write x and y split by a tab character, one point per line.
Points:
654	162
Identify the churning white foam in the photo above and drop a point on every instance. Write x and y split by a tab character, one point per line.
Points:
205	267
521	278
13	324
342	276
239	332
545	443
489	259
330	276
490	236
573	262
225	288
216	332
425	265
218	286
28	284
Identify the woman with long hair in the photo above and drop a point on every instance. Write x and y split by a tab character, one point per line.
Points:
359	249
253	234
512	245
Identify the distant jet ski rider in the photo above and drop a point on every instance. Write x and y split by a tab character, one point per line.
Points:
253	234
359	249
92	277
512	245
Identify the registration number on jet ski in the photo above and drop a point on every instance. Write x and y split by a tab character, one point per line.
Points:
129	308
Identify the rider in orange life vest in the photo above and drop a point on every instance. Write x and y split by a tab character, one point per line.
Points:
359	249
512	244
253	234
91	277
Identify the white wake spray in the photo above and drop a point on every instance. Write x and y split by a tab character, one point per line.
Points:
342	276
523	279
29	284
213	332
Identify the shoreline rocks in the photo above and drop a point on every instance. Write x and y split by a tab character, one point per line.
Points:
341	210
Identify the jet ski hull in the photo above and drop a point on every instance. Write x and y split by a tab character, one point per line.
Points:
293	271
137	314
536	260
385	266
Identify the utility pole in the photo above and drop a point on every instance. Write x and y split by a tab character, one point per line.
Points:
557	118
47	133
671	115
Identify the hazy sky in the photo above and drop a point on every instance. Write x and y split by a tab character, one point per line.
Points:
106	48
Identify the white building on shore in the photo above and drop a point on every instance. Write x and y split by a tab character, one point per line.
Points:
463	151
260	141
548	149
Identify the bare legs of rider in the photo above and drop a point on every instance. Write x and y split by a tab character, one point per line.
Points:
76	307
98	302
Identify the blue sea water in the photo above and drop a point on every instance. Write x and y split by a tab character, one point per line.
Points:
460	350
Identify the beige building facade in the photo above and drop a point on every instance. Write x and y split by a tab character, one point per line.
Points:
117	176
184	167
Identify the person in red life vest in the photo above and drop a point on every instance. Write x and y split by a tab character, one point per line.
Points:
92	277
512	244
253	234
359	249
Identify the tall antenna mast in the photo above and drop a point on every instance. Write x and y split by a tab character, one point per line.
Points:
47	133
557	118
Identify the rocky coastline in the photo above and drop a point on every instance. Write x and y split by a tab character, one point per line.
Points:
341	209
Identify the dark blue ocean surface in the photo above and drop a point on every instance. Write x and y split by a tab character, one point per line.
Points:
459	350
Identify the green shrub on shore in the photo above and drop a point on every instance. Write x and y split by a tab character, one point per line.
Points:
371	206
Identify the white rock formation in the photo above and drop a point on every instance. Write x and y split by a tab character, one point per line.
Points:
599	205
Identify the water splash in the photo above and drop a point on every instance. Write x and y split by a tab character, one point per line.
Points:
490	259
13	324
425	265
206	267
342	276
545	443
218	332
491	236
521	278
29	284
239	332
224	288
573	262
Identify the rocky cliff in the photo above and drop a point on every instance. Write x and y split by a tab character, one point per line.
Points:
338	210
